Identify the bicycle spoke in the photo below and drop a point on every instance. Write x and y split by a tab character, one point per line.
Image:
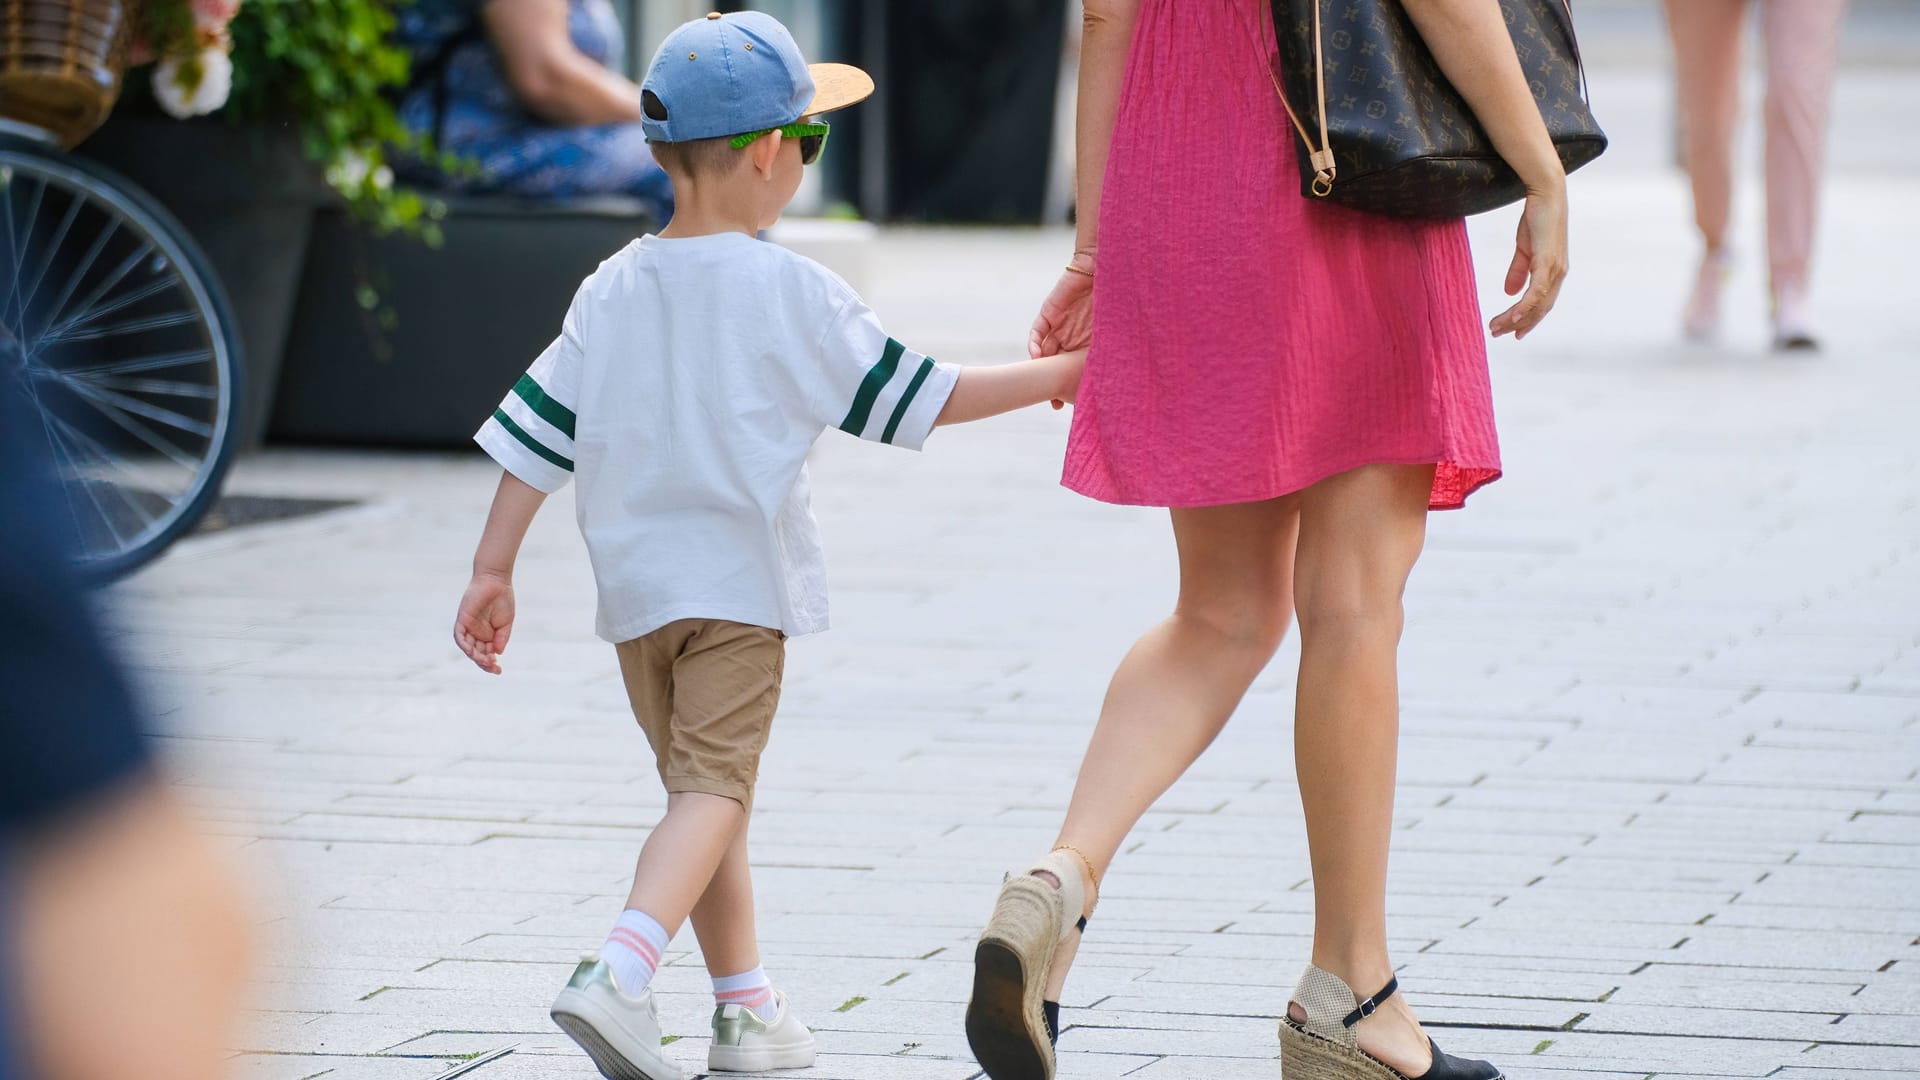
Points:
157	362
80	480
26	242
179	422
135	482
124	418
95	282
169	387
90	309
59	237
16	248
132	326
74	279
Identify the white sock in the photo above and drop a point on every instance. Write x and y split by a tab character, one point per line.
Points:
749	988
633	950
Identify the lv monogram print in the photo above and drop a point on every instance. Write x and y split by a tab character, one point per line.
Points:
1404	142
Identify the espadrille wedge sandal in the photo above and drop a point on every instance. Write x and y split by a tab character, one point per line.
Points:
1011	1030
1326	1048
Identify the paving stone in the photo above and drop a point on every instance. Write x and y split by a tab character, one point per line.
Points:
1659	804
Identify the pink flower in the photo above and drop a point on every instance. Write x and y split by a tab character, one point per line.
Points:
214	14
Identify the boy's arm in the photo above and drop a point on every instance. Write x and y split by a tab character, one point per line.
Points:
485	619
981	392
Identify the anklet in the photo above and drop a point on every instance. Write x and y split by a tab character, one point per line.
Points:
1092	877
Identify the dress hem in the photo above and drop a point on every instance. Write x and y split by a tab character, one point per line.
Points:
1478	476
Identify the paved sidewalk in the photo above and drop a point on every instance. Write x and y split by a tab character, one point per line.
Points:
1659	811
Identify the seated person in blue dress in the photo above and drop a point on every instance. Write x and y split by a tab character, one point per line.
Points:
530	92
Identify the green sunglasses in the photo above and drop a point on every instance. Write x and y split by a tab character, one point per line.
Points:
813	139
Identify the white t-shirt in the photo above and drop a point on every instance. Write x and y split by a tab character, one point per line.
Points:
689	380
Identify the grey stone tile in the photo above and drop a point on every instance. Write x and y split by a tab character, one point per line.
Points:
1662	689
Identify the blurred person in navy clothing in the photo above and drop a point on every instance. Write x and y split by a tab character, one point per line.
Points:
121	948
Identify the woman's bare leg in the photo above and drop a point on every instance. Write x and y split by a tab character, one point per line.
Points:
1706	55
1183	678
1360	533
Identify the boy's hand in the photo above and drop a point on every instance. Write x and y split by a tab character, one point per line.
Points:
1072	364
485	620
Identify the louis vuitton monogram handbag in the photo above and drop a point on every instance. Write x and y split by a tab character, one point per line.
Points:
1395	137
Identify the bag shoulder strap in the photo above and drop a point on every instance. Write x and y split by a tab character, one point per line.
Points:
1321	156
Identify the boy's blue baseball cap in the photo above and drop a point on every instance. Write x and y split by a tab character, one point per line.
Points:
731	74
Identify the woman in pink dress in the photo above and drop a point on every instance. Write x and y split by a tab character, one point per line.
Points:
1300	384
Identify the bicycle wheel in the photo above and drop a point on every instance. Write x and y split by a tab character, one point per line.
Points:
126	346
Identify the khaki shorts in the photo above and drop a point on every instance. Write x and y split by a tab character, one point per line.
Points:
704	691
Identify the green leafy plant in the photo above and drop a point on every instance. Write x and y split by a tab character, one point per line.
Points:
330	68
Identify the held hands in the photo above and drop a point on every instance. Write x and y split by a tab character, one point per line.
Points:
1539	262
1066	316
485	620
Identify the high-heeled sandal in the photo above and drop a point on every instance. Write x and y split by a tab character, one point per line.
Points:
1009	1027
1050	1010
1326	1048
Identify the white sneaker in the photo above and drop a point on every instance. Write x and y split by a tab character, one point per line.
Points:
742	1042
1792	321
1701	323
620	1033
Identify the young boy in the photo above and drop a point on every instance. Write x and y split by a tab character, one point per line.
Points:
691	375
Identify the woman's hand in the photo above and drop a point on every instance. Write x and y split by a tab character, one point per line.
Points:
1066	316
1539	262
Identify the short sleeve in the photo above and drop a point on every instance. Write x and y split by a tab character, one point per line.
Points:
531	433
876	388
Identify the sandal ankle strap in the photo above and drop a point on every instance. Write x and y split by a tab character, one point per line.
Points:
1368	1005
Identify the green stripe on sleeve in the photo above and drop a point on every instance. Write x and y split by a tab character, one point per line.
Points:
877	379
529	441
906	399
543	406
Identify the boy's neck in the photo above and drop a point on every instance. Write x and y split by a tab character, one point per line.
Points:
697	214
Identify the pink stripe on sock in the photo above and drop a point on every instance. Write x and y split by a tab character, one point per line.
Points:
638	944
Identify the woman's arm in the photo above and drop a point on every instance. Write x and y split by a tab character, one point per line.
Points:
1471	43
552	79
1066	316
1106	38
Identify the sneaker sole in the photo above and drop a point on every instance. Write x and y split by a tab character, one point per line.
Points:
760	1058
583	1020
998	1025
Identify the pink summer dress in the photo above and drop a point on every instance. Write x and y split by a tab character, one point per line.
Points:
1248	343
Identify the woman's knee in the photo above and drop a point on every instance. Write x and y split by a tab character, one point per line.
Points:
1249	625
1353	610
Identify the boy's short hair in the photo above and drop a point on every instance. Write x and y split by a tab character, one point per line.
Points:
698	158
692	158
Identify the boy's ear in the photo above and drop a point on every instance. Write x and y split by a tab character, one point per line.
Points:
766	151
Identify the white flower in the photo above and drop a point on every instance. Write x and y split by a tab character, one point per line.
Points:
195	84
383	177
349	170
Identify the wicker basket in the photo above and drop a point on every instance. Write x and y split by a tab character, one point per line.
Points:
61	61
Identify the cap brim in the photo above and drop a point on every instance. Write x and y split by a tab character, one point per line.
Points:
836	86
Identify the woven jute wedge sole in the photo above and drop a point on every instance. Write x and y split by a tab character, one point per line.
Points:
1005	1026
1306	1056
